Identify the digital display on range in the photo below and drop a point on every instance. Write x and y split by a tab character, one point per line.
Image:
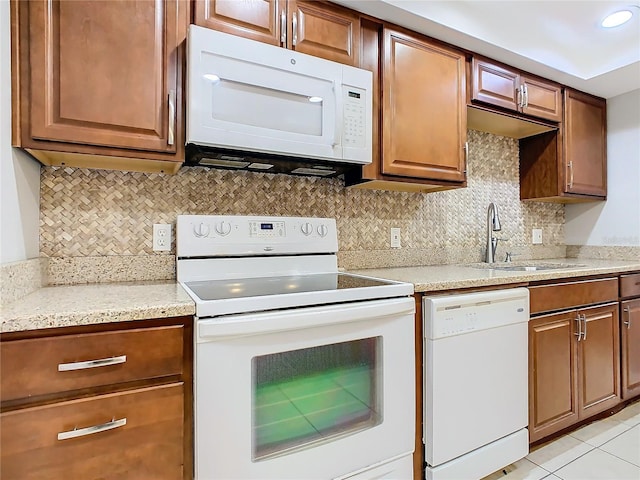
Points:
266	226
354	95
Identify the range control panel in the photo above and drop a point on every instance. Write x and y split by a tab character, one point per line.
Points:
231	235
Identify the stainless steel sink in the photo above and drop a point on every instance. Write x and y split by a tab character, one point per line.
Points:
532	267
529	268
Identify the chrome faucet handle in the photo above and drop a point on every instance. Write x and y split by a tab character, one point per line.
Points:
508	257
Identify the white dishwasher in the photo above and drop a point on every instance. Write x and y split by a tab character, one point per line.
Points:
475	382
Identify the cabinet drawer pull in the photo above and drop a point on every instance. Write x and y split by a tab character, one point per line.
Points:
584	332
172	117
579	334
295	29
102	362
94	429
628	322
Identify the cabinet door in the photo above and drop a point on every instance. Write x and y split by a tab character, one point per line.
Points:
424	109
494	85
553	382
585	156
599	360
630	336
542	99
138	434
324	31
105	73
259	20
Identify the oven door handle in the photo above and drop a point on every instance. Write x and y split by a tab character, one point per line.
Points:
297	319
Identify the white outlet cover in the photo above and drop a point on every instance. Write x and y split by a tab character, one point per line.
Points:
161	237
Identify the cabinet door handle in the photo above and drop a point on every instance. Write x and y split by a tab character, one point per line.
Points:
94	429
466	156
628	312
295	29
584	332
525	97
519	96
172	117
283	29
579	334
570	167
102	362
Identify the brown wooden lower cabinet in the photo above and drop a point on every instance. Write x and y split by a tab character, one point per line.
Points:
101	401
574	365
131	434
630	344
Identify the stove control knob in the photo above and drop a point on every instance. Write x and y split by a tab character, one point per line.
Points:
201	230
306	228
323	230
223	228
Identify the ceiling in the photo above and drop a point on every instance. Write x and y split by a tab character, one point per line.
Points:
558	40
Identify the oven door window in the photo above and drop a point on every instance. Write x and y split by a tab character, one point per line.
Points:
306	396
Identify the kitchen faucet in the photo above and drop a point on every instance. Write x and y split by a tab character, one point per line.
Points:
493	225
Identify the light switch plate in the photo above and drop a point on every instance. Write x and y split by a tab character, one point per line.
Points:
536	236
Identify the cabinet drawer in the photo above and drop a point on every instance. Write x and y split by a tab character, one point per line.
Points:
630	285
41	366
547	298
148	444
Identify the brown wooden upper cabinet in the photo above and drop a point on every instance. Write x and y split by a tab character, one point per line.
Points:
311	27
419	112
99	84
569	165
513	90
585	144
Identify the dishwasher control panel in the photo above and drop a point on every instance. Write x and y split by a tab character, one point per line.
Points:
448	315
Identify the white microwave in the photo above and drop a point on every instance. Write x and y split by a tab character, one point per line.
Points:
260	107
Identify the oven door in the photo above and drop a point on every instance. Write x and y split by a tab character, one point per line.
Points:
308	393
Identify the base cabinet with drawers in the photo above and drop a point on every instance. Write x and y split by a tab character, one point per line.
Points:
630	334
574	353
97	402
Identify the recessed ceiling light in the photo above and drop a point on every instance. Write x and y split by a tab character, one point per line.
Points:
617	18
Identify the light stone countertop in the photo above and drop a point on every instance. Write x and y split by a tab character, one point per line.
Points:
74	305
448	277
64	306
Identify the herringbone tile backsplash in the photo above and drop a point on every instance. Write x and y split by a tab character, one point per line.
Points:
97	212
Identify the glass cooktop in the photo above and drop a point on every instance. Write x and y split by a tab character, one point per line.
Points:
208	290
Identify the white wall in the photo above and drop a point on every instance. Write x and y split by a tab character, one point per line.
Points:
19	174
615	222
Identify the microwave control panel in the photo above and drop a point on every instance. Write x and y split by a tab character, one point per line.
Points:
355	121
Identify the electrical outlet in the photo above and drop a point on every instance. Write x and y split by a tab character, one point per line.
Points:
161	237
395	238
536	236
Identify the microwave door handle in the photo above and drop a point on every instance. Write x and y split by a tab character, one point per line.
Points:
339	117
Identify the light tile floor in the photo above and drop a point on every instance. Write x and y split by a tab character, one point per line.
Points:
608	449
